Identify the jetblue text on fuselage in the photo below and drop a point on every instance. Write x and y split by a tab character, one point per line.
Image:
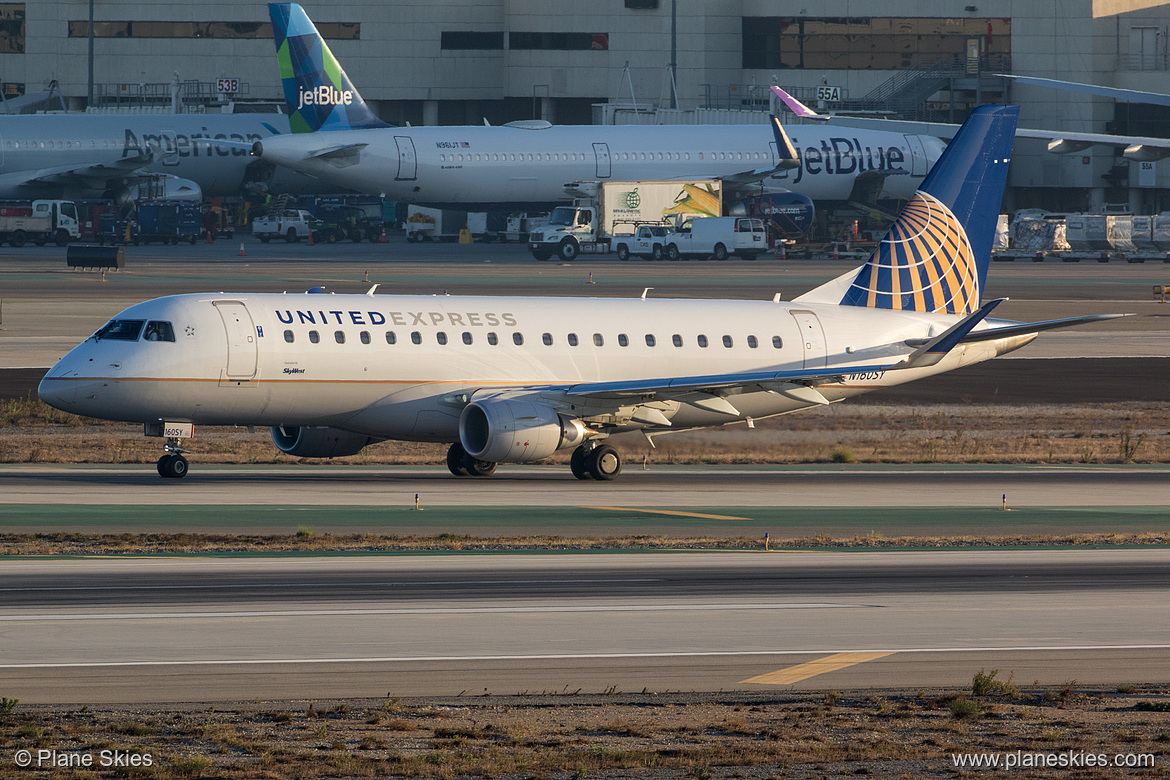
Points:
172	146
324	95
847	156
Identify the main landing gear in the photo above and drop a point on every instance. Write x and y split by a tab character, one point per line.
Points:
463	465
173	465
595	461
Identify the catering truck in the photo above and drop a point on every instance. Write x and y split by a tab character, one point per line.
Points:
605	212
39	221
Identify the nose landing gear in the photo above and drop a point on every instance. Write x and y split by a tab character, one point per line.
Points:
173	465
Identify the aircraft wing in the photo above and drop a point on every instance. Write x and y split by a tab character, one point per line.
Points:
1142	148
126	168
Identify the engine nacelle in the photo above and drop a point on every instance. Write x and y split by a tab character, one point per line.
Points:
513	431
318	442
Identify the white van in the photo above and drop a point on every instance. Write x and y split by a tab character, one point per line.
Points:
718	237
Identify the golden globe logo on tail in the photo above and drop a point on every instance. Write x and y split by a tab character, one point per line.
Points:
324	95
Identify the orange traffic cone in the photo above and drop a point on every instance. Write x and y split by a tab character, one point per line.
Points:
310	237
209	239
241	249
383	241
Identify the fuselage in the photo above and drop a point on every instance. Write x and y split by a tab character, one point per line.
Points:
403	367
65	155
474	167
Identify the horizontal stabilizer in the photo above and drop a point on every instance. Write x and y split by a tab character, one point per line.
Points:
934	350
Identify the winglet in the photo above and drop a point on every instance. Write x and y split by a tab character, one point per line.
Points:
934	350
796	107
788	158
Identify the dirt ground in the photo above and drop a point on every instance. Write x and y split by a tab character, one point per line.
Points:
652	735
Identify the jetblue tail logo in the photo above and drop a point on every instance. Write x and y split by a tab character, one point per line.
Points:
935	256
925	263
318	94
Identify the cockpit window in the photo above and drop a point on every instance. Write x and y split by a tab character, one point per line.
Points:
159	331
121	330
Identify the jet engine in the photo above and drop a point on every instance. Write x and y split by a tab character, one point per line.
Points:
316	442
513	431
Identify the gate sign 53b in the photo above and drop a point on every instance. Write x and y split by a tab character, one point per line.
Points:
828	93
227	85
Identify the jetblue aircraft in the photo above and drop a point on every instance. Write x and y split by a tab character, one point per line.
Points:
525	164
107	155
515	380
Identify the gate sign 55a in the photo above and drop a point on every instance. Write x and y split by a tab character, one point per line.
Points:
828	93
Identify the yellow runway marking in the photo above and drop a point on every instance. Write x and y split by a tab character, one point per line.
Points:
829	663
665	512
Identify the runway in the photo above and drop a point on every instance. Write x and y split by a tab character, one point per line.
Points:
539	499
169	630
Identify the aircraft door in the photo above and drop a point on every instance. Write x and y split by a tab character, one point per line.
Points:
919	165
241	339
604	167
407	161
812	339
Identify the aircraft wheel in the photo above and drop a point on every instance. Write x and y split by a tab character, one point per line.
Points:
172	466
478	468
457	460
604	463
577	464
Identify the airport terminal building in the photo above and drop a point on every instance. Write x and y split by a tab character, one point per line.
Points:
467	61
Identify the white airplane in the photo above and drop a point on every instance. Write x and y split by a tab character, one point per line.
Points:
515	380
525	164
1141	148
100	155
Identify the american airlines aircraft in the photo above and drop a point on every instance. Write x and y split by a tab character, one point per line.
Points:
107	155
526	164
515	380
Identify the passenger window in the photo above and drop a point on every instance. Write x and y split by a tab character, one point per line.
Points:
441	337
518	339
753	342
649	340
314	336
677	339
777	342
159	331
339	336
365	336
598	341
623	340
493	339
572	339
391	338
547	339
727	342
702	341
467	337
415	337
288	336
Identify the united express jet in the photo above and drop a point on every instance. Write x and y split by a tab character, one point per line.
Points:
515	380
526	164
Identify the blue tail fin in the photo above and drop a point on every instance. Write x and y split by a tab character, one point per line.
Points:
318	94
935	256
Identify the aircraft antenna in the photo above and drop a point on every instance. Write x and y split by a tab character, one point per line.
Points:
648	289
370	292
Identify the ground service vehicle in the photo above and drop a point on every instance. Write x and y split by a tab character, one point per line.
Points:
39	221
648	242
601	211
290	224
167	221
718	237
